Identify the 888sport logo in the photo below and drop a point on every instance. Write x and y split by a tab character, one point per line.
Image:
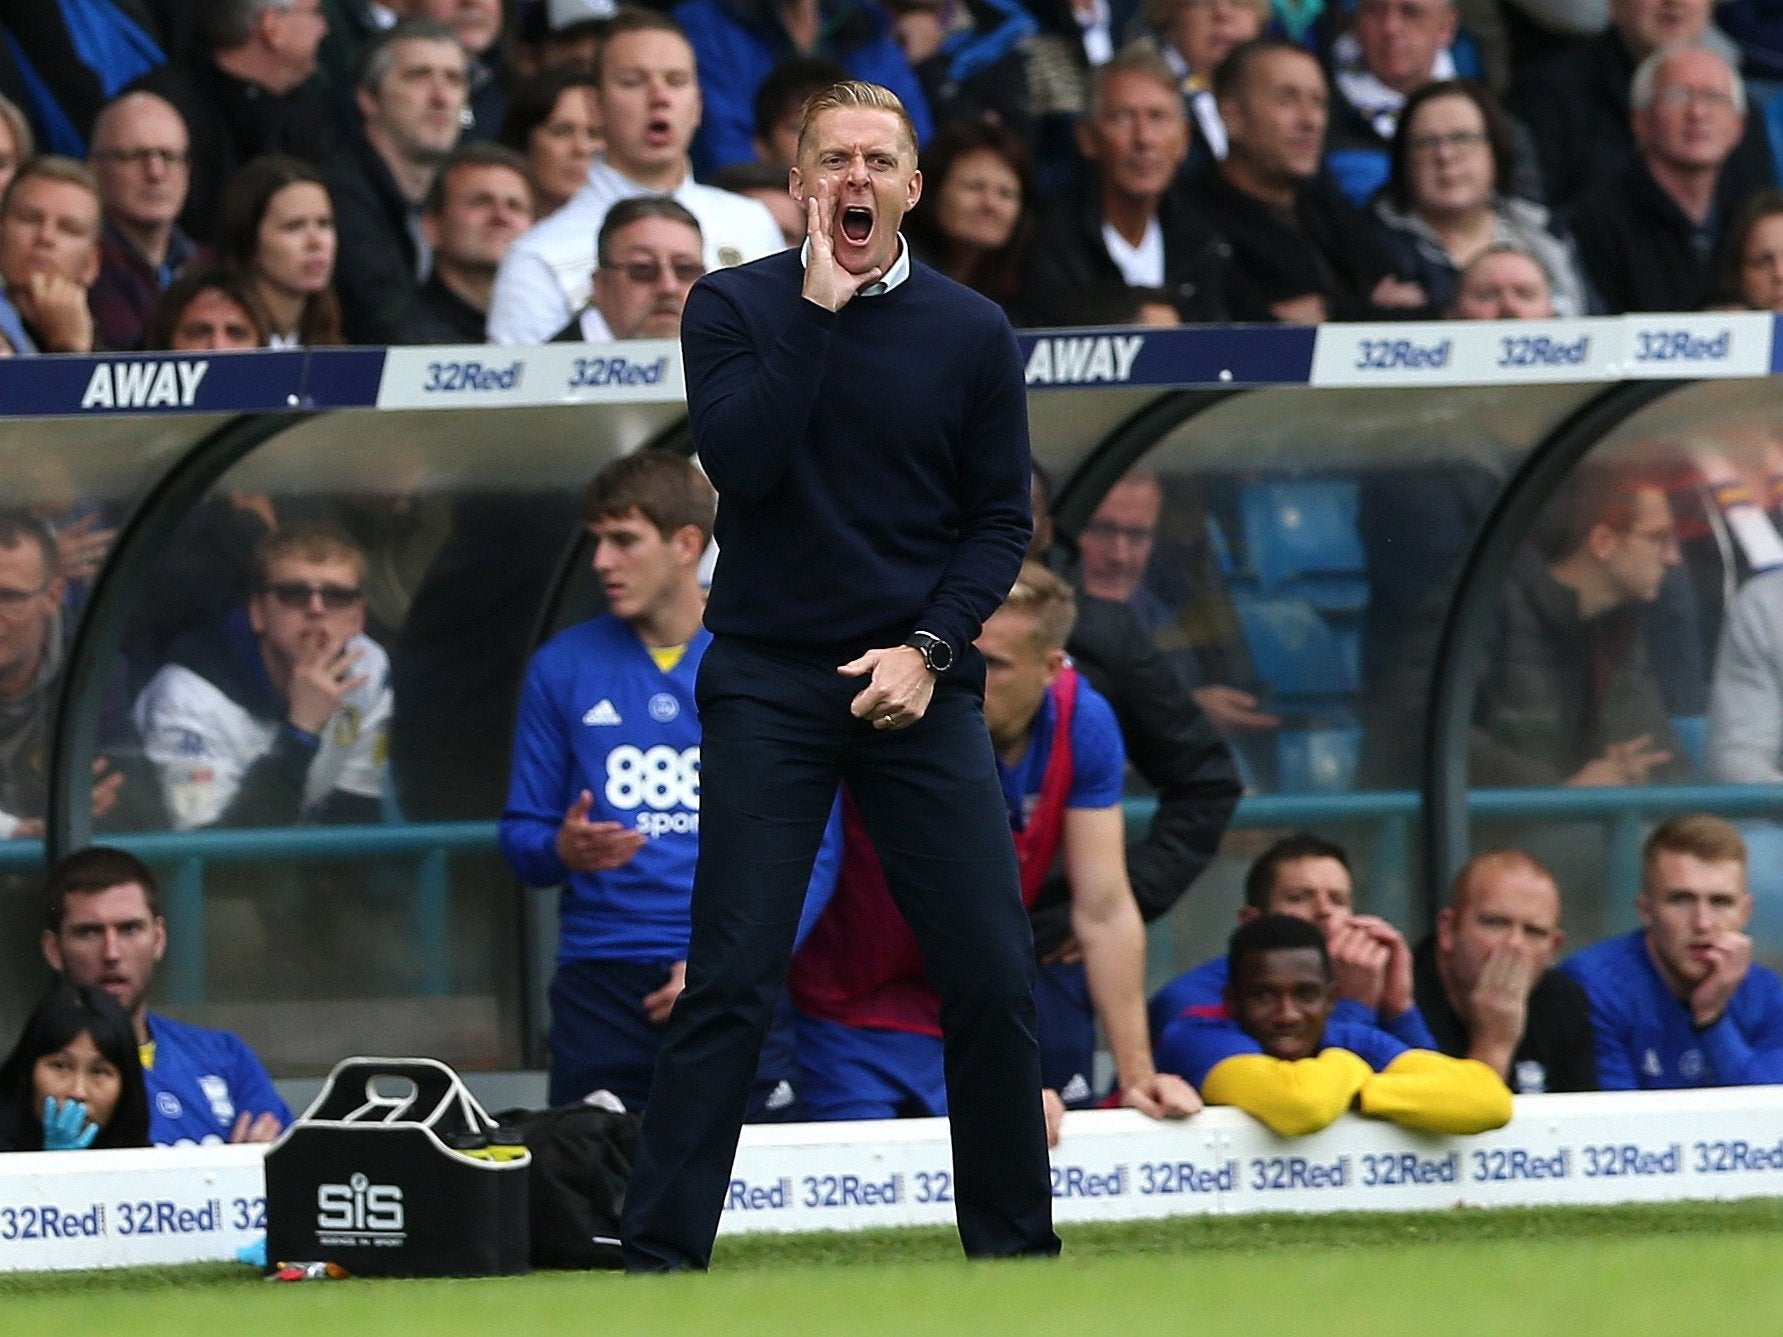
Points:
661	783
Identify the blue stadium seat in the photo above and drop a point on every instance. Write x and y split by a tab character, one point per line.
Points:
1317	760
1298	651
1300	537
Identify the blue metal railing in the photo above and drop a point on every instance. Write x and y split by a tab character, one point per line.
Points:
189	855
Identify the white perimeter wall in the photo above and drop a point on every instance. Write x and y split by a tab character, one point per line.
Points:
120	1208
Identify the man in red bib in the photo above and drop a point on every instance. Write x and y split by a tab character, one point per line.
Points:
869	1022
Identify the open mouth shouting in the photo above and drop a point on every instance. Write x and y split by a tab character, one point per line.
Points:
856	177
857	224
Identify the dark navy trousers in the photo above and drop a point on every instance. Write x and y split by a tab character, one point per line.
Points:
777	739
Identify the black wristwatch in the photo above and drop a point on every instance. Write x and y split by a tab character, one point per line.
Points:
936	653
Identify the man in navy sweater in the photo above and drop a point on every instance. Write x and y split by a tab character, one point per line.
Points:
864	420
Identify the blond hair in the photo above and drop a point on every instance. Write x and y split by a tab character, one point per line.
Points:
1698	834
1048	600
309	541
55	167
855	93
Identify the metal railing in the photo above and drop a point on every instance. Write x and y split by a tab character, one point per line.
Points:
1392	815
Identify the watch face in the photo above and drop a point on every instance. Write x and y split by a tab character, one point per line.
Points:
937	654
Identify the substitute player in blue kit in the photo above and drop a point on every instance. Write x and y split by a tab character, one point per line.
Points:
604	797
1680	1002
104	930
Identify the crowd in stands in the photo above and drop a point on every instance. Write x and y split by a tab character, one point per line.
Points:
1175	161
299	173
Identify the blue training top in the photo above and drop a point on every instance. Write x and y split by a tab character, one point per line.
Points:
1191	1046
202	1080
1204	990
1646	1038
597	713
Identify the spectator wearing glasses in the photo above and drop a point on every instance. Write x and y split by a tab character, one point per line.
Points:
1570	696
1199	631
1451	195
276	714
141	154
1575	101
1649	235
649	253
33	652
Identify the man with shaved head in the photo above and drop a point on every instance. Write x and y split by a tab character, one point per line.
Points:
1485	981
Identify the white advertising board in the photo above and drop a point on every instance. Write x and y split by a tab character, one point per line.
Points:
487	376
115	1209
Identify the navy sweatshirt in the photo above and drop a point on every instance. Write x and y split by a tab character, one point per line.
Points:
871	463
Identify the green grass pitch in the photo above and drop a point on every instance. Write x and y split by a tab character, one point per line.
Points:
1676	1269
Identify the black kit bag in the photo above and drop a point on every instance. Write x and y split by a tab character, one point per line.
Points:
581	1163
396	1171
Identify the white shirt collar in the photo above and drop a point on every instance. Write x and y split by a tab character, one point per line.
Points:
899	271
610	181
1143	265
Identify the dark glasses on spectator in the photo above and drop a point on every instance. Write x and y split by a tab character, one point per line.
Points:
296	594
650	271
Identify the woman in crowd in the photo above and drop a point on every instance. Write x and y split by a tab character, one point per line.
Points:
975	219
554	123
74	1079
277	231
1446	199
16	144
1752	254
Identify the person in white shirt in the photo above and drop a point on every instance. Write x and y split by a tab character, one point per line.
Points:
649	100
276	715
